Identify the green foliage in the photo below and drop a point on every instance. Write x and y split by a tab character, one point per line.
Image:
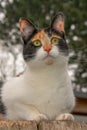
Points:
41	13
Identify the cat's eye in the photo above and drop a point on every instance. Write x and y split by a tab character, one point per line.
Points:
37	43
54	40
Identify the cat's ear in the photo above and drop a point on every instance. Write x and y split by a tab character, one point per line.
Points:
26	28
58	22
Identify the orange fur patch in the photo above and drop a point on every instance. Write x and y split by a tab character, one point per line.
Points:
39	35
43	37
22	24
45	40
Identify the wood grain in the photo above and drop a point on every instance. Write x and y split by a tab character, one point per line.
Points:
18	125
62	125
44	125
81	106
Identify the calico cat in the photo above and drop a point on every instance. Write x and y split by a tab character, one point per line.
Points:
44	91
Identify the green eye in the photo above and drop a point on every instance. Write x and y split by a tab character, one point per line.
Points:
54	40
37	43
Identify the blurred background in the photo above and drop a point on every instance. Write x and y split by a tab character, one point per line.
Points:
41	12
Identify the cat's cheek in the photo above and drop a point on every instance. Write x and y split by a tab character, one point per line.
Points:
54	52
41	54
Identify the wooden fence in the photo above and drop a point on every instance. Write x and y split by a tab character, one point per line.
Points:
44	125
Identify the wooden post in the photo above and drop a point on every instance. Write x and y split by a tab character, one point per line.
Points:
62	125
44	125
18	125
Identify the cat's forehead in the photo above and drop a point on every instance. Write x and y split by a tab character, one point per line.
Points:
42	34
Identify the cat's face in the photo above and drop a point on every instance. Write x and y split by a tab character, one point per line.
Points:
44	46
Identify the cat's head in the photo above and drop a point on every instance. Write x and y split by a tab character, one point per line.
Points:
45	46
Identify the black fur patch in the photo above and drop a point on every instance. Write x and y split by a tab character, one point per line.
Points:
2	107
29	38
62	45
29	51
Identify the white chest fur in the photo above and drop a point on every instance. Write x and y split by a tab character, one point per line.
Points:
53	91
48	90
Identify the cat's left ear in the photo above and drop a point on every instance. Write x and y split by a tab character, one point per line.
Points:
58	22
26	28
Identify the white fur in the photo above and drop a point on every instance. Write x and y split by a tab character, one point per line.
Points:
44	91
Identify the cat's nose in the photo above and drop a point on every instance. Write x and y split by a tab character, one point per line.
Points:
47	47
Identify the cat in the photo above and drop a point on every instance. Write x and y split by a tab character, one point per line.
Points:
44	91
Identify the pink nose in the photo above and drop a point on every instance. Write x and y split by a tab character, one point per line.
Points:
47	47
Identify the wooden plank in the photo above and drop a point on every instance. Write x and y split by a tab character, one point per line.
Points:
44	125
62	125
81	106
18	125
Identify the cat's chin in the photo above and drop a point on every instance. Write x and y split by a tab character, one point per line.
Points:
49	61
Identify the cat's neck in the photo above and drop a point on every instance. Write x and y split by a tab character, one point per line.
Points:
56	70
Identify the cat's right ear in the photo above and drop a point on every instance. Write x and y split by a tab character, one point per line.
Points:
27	28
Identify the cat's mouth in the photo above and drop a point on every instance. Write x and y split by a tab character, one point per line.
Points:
49	59
49	56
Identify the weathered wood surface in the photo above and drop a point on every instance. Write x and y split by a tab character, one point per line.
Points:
18	125
44	125
62	125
